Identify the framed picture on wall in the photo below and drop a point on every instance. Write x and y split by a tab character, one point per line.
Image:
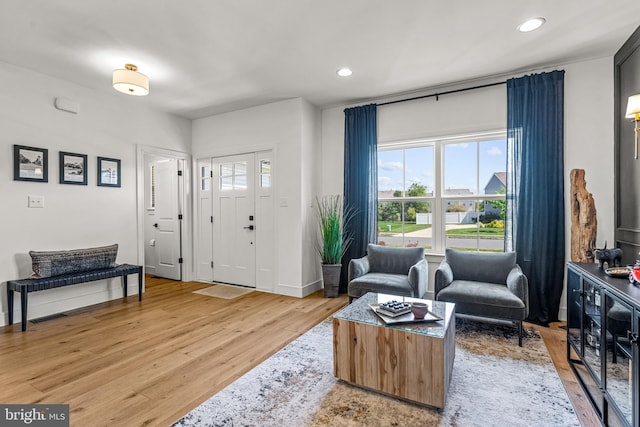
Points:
108	172
73	168
30	164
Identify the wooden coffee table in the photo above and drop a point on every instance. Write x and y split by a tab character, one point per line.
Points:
411	361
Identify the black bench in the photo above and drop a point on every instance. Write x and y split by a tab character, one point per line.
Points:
24	286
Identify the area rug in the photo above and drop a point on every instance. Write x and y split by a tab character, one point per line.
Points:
223	291
494	383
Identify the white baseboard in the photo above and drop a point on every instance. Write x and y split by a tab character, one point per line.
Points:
297	291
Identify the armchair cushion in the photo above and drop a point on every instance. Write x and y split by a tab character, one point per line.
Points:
483	299
482	267
389	270
385	259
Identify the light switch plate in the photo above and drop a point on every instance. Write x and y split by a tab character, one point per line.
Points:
36	201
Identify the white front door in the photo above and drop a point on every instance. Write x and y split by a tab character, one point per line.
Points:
204	232
234	234
167	221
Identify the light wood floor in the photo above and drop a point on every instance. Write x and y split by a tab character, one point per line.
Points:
148	363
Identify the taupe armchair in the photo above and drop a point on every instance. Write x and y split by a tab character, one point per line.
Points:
484	284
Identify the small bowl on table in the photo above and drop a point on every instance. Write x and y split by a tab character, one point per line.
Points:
419	309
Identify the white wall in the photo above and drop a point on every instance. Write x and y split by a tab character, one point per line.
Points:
310	155
108	125
588	133
287	128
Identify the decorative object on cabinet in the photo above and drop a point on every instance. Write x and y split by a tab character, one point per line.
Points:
613	257
30	164
584	225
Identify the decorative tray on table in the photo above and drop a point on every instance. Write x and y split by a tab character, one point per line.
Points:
405	316
617	271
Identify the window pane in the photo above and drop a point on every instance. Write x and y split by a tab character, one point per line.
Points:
226	183
240	168
152	172
390	174
460	169
226	169
417	224
390	224
413	229
418	171
205	176
461	224
240	182
465	232
265	173
493	166
265	167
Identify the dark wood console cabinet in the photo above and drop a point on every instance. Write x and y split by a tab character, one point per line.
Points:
603	315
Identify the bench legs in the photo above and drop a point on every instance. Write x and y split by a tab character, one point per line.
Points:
125	282
23	307
10	304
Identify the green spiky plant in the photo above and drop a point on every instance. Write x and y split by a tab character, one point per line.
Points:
333	241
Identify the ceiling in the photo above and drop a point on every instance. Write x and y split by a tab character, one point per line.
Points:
206	57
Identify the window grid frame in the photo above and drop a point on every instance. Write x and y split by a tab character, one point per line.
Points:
438	200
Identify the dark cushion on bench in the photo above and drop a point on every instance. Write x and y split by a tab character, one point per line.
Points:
56	263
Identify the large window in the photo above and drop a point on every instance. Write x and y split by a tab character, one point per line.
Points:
445	193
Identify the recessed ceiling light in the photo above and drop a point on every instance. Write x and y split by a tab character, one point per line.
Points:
531	24
344	72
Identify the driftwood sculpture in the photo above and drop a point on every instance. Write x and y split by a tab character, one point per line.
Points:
584	226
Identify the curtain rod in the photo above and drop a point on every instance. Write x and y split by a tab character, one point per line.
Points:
437	95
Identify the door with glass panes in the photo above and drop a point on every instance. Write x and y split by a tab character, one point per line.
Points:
235	209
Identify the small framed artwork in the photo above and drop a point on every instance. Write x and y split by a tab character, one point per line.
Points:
30	164
108	172
73	168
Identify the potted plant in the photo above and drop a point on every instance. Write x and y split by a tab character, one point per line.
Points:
333	241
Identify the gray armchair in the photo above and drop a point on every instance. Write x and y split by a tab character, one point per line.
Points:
485	285
389	270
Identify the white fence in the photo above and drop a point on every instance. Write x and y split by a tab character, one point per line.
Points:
450	218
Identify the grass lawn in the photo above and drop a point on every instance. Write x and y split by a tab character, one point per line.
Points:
396	227
486	232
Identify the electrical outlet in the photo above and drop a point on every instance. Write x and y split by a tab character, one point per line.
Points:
36	201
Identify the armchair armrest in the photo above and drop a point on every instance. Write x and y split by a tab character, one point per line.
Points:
443	277
358	267
419	278
519	285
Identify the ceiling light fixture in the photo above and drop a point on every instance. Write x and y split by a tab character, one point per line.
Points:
130	81
344	72
531	24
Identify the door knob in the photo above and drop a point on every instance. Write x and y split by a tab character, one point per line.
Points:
155	225
248	228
